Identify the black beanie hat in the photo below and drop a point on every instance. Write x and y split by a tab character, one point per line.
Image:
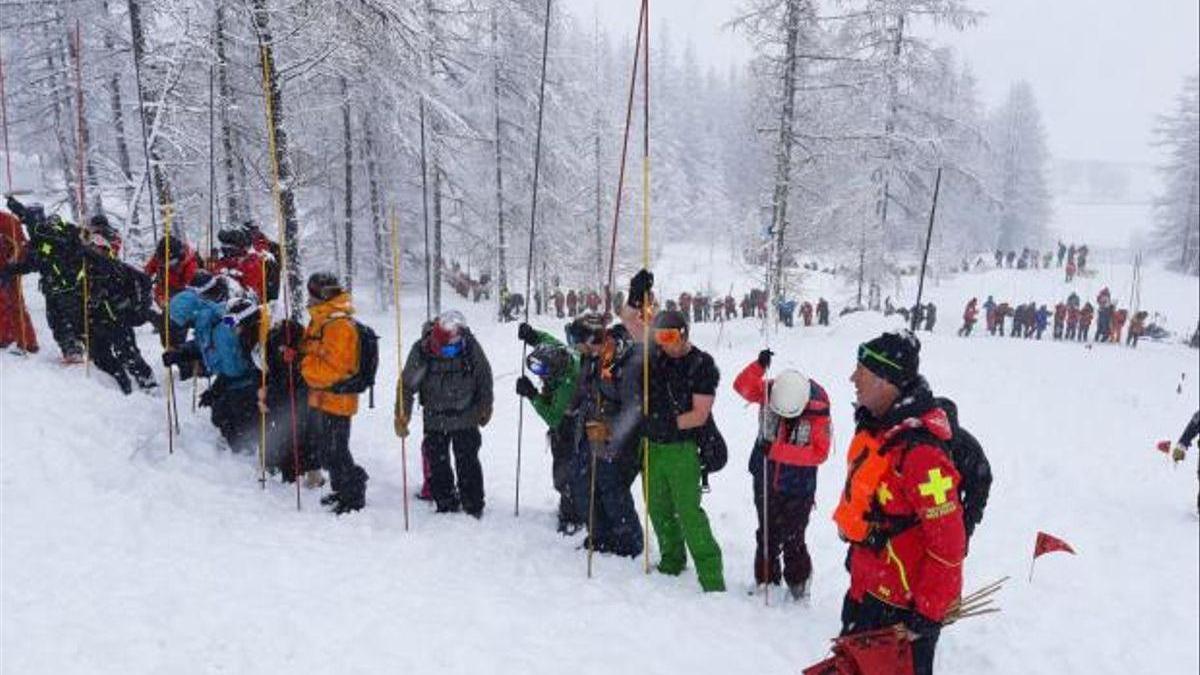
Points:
672	319
896	357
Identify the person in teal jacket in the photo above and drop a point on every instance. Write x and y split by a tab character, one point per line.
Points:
558	369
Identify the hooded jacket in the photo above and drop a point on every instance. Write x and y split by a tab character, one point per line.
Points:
330	350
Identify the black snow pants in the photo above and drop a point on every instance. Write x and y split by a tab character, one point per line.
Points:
114	350
329	437
235	414
64	313
562	468
469	493
873	614
785	536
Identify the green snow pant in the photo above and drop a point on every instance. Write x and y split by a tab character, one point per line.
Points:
674	486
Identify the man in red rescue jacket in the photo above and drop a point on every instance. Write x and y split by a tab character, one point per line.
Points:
794	433
900	509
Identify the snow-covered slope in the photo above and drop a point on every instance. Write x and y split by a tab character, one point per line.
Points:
117	557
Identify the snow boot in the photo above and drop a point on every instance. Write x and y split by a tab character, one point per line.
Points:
146	383
345	506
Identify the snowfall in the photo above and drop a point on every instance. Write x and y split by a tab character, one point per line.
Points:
119	557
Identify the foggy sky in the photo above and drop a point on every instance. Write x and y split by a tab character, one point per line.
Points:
1102	70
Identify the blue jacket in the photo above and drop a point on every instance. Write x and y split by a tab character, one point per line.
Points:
218	345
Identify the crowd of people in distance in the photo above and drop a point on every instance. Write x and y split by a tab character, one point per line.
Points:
1067	321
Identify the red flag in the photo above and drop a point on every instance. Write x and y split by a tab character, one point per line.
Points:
1164	446
1047	543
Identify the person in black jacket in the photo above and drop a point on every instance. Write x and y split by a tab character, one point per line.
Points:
450	374
118	300
55	253
285	399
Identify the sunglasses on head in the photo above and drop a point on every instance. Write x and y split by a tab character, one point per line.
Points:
865	352
668	336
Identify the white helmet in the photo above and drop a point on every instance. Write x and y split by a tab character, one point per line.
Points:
789	394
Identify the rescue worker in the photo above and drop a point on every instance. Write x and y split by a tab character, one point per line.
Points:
16	328
448	372
118	300
558	369
969	317
55	253
608	453
330	354
900	509
242	261
794	430
683	385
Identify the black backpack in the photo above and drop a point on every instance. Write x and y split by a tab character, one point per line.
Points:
972	465
714	454
368	364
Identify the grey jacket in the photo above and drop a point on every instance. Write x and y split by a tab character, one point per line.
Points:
455	393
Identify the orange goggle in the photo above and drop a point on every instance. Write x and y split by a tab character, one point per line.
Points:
668	336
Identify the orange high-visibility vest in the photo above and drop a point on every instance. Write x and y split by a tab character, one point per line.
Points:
865	469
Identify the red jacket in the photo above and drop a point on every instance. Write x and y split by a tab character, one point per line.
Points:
970	312
181	273
247	269
921	566
799	444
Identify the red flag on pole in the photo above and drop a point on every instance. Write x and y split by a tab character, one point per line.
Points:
1047	543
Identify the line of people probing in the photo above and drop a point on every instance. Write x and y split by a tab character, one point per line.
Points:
916	485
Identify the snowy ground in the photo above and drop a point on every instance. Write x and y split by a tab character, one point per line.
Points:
117	557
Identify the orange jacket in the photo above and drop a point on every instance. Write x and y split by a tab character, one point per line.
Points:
330	350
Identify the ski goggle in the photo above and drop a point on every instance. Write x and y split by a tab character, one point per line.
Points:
668	336
865	352
538	367
451	350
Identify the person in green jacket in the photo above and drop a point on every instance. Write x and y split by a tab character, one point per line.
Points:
558	368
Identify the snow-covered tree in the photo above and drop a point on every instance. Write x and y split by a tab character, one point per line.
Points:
1019	157
1177	206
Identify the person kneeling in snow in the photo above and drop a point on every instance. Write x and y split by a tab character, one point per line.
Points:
331	355
900	509
448	370
794	435
223	340
558	369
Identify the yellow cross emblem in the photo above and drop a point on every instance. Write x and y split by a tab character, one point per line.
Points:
937	486
884	494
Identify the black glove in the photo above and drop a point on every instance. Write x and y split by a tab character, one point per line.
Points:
206	398
17	208
171	357
526	334
764	358
922	625
639	288
526	388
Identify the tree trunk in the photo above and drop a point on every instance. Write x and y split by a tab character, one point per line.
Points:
162	185
501	241
57	90
348	193
234	208
783	154
83	149
277	136
436	167
124	163
377	219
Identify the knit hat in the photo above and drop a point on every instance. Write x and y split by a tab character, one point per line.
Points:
893	356
671	318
